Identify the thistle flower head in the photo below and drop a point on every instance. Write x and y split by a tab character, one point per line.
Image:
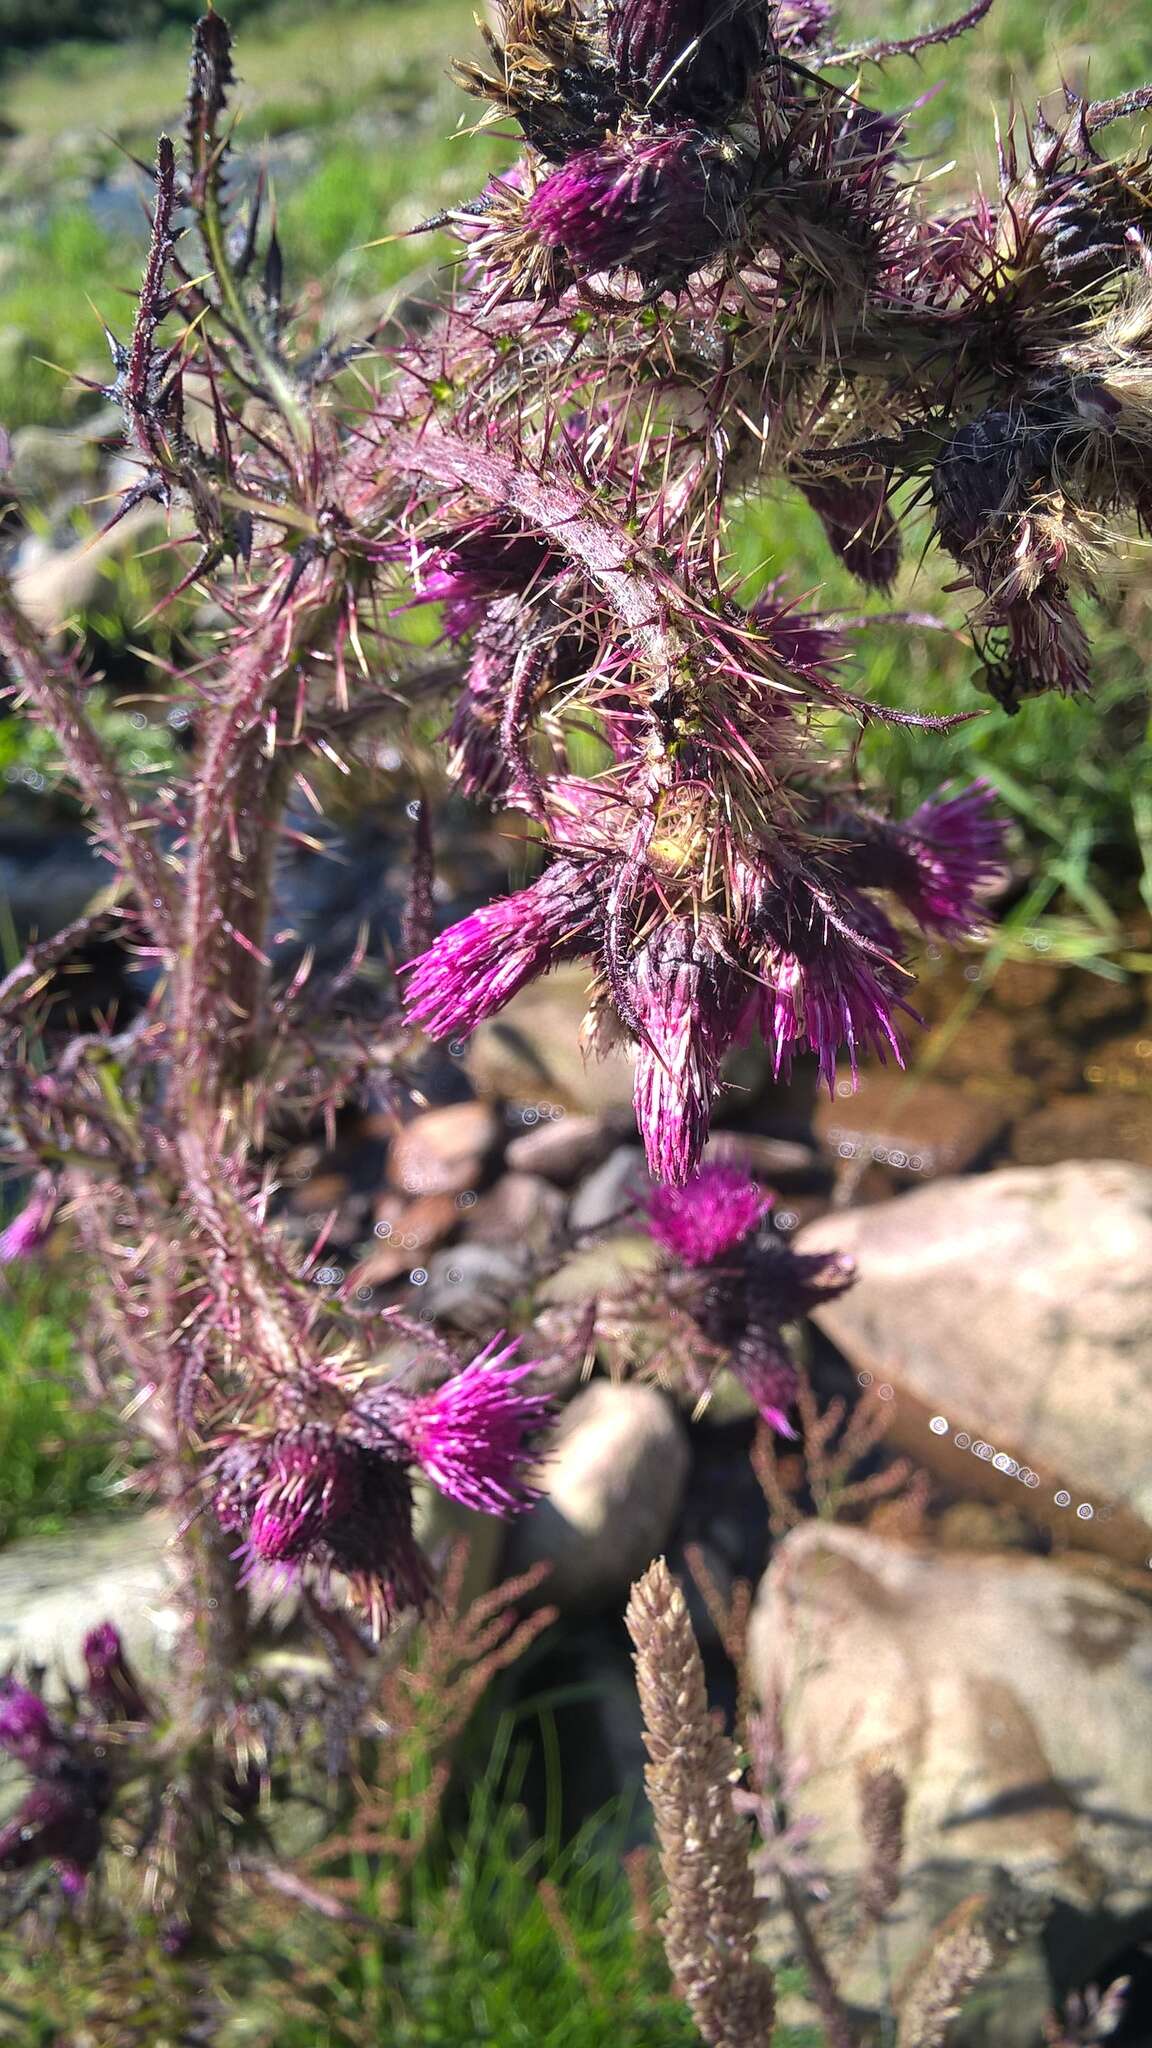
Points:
784	1284
709	1216
798	24
27	1730
29	1227
112	1684
660	203
684	1000
467	571
59	1821
860	528
768	1376
314	1496
477	966
474	1435
699	56
937	861
829	986
287	1491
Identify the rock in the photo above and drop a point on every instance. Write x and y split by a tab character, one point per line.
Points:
53	1589
999	1056
1006	1691
1018	1306
472	1286
317	1194
522	1212
441	1526
1027	985
612	1486
51	584
610	1194
607	1266
408	1231
443	1152
781	1162
1123	1064
531	1052
916	1129
47	460
1097	1126
562	1150
1091	1004
984	1044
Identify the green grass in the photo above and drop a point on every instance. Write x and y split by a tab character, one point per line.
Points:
506	1942
1075	774
49	278
56	1458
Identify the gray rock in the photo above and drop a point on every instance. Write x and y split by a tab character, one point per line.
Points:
522	1213
472	1285
1008	1692
611	1193
612	1486
1017	1305
563	1148
53	1589
47	460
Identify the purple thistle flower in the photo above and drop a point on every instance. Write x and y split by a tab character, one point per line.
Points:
27	1730
473	1436
685	1002
311	1496
776	1286
937	861
659	203
476	759
797	24
487	560
784	1284
477	966
112	1684
802	641
768	1376
696	55
832	989
30	1227
710	1215
285	1492
854	514
59	1820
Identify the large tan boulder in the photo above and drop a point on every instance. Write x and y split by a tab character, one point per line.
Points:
1017	1306
1013	1694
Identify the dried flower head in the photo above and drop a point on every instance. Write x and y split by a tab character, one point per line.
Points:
696	55
709	1930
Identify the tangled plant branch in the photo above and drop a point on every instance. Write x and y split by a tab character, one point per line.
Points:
713	267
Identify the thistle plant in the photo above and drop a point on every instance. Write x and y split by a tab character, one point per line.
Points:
713	267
